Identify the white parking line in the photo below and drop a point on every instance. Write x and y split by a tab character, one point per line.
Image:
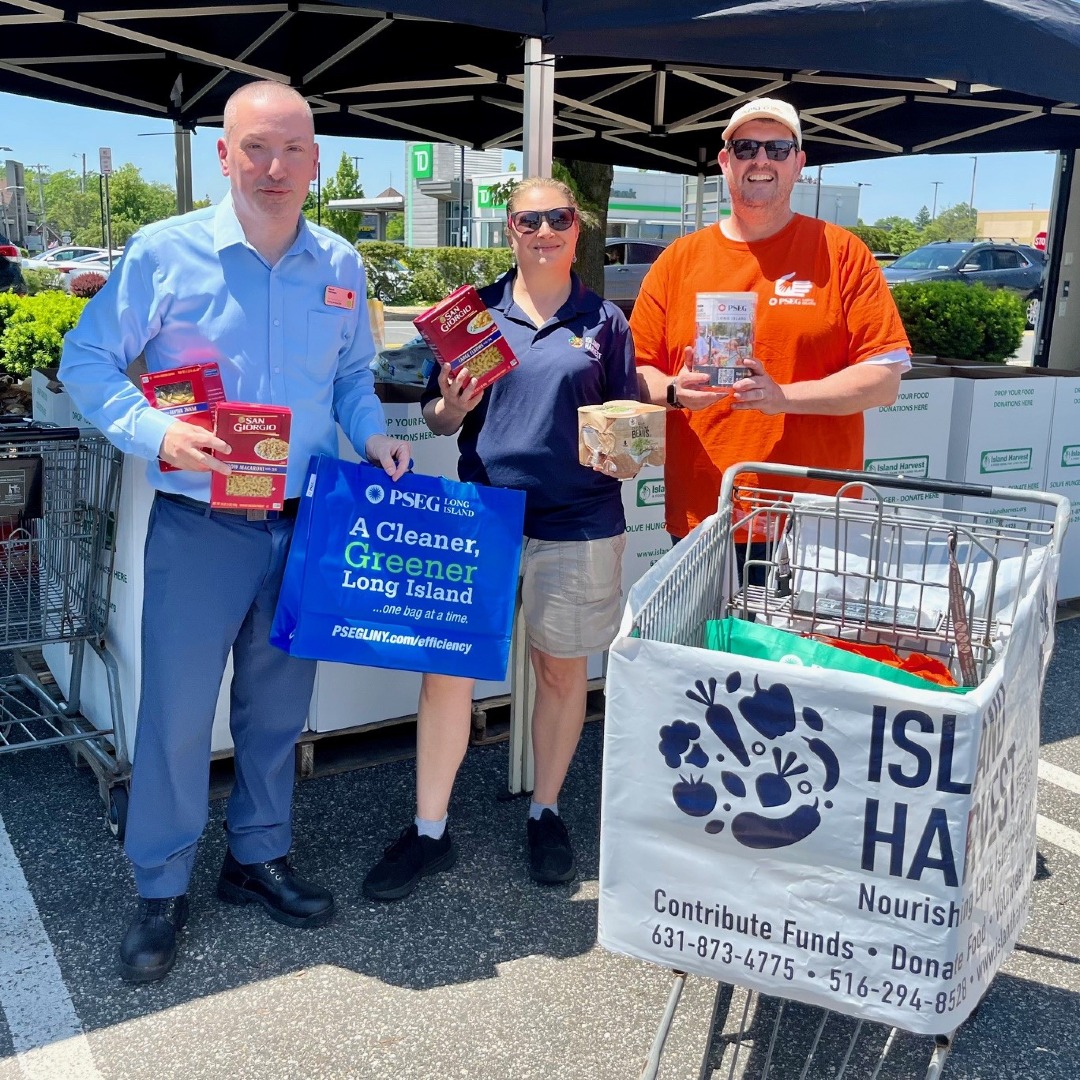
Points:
1060	835
45	1030
1054	774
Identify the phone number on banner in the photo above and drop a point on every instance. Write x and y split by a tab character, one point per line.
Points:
837	980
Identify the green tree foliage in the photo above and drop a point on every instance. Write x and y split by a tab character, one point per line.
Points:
965	322
955	223
922	218
874	239
395	227
904	236
344	184
133	202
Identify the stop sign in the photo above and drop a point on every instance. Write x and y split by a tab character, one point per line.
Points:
1040	241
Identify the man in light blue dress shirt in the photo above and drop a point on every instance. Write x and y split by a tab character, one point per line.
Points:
281	307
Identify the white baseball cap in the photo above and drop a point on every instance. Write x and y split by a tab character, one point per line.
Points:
765	109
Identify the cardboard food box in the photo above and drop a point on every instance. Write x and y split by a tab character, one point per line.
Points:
259	437
619	437
188	393
724	337
462	333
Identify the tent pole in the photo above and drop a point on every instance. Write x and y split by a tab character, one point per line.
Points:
182	150
539	108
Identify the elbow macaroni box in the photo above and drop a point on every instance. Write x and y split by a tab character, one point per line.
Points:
188	393
259	437
462	333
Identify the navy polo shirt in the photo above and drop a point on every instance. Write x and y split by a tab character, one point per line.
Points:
524	434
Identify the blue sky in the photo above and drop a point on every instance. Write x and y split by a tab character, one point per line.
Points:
56	136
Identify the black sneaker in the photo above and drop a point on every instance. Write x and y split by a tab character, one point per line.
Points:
551	858
406	861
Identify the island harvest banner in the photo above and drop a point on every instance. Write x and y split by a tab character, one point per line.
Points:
823	836
418	574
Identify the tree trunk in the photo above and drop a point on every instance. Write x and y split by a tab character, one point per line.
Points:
593	186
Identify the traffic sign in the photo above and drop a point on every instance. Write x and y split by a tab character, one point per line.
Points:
105	161
1039	243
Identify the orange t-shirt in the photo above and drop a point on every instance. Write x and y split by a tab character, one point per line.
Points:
822	306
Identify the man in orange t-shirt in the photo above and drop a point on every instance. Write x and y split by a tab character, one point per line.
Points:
828	340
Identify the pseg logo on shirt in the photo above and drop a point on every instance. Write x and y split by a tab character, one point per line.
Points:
790	291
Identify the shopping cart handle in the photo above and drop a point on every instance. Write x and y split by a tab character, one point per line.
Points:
944	487
20	429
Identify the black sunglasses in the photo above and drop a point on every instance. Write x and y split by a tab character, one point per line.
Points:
528	221
775	149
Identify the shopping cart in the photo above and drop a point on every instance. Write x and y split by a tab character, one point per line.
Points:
59	495
848	856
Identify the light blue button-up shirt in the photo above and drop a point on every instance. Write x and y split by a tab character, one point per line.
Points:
192	290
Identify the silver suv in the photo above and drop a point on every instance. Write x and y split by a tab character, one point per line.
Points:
626	262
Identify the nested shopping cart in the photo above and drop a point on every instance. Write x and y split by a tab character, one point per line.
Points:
768	823
59	497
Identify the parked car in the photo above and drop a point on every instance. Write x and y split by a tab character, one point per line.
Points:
11	279
626	262
97	263
998	264
51	259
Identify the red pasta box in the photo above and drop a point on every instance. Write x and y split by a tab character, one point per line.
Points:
462	333
189	393
259	437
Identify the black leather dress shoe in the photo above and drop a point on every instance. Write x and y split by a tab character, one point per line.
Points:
287	898
148	950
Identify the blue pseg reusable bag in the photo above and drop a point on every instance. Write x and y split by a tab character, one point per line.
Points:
418	574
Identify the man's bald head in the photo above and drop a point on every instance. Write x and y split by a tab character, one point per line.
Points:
262	93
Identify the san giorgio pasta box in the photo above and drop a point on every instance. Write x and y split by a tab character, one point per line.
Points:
189	393
462	333
259	437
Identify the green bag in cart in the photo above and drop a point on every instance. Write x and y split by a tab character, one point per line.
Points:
745	638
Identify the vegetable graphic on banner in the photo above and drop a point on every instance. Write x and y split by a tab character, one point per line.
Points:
418	574
770	713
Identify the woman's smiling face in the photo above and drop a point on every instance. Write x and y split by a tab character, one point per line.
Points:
545	247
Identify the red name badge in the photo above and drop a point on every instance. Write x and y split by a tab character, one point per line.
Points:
335	296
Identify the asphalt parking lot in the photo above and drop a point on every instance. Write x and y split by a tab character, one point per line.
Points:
480	974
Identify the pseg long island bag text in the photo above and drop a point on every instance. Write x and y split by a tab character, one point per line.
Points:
418	574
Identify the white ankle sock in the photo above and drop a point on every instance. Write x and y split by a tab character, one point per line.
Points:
434	829
536	809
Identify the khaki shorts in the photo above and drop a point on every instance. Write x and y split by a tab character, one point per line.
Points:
571	593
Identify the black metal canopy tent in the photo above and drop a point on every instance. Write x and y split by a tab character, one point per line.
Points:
636	83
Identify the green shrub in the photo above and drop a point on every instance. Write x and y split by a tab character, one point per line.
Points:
9	303
965	322
29	345
874	239
399	275
33	333
41	281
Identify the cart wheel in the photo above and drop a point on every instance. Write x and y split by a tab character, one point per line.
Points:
118	808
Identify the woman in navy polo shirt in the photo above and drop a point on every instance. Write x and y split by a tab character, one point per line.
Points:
574	349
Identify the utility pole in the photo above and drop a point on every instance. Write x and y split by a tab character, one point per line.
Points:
82	185
41	195
973	168
937	184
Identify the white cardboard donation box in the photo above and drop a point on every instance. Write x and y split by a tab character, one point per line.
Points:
831	838
1063	474
911	436
1000	432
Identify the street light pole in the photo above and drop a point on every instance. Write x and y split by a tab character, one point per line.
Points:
41	195
973	168
82	185
937	184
